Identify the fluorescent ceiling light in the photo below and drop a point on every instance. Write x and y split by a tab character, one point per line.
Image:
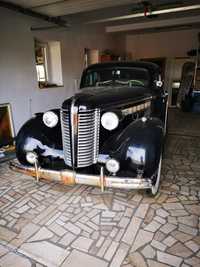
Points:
141	14
154	24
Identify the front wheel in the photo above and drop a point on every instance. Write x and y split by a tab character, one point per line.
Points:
154	189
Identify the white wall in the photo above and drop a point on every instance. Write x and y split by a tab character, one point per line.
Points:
17	75
162	44
18	79
169	45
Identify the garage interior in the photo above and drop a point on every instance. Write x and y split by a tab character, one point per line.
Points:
45	45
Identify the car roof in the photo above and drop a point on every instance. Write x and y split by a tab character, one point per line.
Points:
137	64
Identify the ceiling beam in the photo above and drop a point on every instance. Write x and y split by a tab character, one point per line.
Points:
69	7
154	24
28	12
153	12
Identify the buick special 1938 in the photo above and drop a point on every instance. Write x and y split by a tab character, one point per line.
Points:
110	134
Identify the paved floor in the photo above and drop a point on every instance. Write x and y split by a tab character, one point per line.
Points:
183	123
47	224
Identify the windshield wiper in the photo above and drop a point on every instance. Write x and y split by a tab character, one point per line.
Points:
130	82
122	82
103	83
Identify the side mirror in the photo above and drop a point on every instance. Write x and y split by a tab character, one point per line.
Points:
159	83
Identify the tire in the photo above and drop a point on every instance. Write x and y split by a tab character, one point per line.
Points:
155	188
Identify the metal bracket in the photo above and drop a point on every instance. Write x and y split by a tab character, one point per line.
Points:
140	173
102	179
37	171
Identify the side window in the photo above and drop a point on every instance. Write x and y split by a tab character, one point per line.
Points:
48	63
91	79
88	80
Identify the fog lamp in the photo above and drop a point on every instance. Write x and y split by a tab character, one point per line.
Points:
50	119
31	157
112	165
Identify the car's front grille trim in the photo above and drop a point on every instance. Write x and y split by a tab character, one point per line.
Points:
66	136
88	137
87	147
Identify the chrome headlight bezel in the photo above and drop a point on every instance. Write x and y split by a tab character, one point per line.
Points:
50	119
110	120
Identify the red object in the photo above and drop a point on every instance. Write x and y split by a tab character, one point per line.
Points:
146	10
106	58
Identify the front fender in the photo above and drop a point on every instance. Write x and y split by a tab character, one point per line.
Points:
44	141
139	144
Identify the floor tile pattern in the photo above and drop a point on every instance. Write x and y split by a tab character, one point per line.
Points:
47	224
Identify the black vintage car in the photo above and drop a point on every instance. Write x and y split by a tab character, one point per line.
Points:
110	134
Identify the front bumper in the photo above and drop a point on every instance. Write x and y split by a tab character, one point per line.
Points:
69	177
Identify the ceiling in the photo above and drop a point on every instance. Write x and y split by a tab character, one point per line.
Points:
56	8
65	7
112	12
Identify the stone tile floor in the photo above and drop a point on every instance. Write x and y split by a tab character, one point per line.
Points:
47	224
185	123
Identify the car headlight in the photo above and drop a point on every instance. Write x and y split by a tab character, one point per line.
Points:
50	119
110	121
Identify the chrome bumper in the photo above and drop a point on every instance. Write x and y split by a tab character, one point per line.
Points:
69	177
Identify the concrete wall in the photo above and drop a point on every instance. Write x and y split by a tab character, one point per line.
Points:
18	79
162	44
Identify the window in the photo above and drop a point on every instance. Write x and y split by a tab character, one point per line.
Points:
41	73
48	63
116	76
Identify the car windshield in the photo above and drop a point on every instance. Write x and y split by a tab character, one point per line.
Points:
116	76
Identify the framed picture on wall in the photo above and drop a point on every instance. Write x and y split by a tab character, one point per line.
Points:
7	132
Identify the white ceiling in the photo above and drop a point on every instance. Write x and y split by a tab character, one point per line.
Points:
65	7
129	12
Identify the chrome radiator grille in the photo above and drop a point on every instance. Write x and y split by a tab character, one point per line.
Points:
66	136
83	145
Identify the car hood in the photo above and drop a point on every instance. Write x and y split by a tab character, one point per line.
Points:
108	97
